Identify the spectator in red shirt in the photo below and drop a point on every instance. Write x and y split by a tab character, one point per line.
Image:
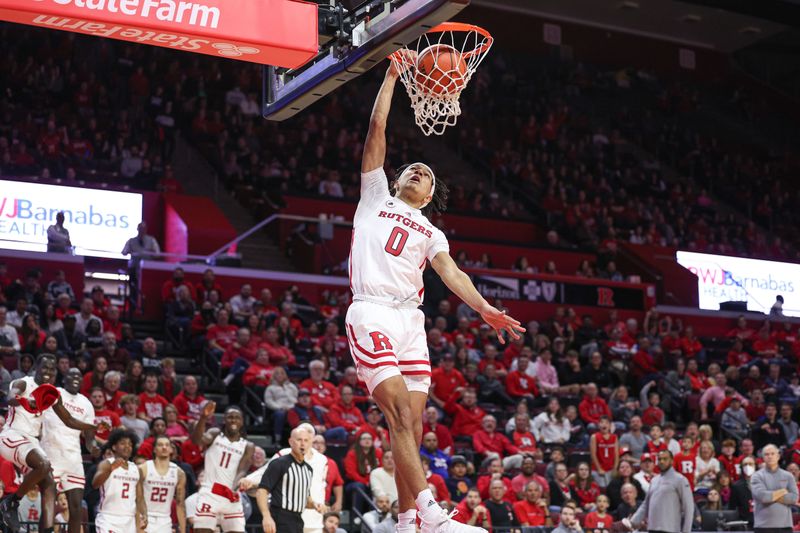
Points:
765	346
169	289
643	365
334	484
244	348
519	384
116	358
467	416
113	324
112	382
533	511
592	407
605	453
431	425
653	414
492	357
259	373
361	459
742	331
599	519
493	470
472	512
203	288
324	394
105	419
584	487
691	345
151	403
221	335
373	426
344	416
488	442
522	437
435	481
737	356
189	401
279	355
350	379
684	462
445	380
527	475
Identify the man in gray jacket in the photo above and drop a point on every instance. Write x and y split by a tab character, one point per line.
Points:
669	505
774	492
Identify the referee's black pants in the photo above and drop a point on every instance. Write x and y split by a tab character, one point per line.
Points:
772	530
286	521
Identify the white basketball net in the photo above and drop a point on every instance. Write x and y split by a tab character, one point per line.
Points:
435	100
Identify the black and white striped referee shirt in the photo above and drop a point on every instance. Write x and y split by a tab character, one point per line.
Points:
288	483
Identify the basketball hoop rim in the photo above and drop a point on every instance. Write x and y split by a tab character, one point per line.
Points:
463	27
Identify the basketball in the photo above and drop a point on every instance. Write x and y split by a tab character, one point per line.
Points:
441	70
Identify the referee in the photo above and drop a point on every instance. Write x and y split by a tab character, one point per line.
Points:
285	488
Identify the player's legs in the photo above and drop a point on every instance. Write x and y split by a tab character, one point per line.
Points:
47	489
74	499
407	519
158	524
39	471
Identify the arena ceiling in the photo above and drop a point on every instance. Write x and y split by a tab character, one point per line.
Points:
699	23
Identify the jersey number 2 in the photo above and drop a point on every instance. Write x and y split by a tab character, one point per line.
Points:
126	487
397	241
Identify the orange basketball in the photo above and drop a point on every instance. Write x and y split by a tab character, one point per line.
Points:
441	70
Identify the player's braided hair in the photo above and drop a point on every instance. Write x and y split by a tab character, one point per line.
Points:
438	203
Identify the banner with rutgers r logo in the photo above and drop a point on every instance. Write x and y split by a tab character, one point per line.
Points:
271	32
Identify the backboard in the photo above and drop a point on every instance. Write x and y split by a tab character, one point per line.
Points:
355	35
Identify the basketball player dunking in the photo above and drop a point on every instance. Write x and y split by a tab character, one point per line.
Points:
391	243
162	482
227	459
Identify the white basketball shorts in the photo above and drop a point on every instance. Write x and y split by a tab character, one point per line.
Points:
15	447
389	341
214	510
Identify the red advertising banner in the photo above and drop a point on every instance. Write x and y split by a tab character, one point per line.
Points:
272	32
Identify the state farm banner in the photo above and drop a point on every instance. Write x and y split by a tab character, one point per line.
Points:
99	221
271	32
558	290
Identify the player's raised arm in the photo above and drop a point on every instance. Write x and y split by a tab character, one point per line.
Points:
201	437
458	282
70	421
375	144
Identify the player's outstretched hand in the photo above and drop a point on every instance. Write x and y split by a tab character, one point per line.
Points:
401	60
209	409
119	463
500	321
246	484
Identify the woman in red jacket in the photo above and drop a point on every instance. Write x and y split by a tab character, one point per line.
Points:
361	459
584	487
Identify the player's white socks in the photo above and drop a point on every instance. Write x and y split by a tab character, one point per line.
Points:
427	506
407	521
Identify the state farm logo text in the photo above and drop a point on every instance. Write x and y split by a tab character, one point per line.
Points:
179	12
99	29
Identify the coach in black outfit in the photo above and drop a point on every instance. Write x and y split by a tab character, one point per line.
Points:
741	495
286	485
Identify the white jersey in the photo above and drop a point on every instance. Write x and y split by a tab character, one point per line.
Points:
390	244
19	419
222	462
118	493
159	491
58	440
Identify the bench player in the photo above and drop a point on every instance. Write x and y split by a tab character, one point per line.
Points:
63	445
228	456
391	243
19	444
121	493
162	482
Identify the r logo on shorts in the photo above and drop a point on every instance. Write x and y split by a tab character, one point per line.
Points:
380	342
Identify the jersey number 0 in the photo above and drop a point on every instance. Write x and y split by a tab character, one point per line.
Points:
397	241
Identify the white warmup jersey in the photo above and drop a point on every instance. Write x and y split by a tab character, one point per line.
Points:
159	491
63	444
118	493
19	419
390	244
222	462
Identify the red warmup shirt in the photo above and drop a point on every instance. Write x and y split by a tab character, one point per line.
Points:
483	487
445	383
529	514
333	479
519	384
442	434
592	410
257	375
670	343
594	521
762	345
729	464
348	417
606	451
109	417
324	393
690	347
112	400
464	514
278	354
483	363
225	336
189	408
152	406
586	495
653	448
465	421
524	441
498	443
351	466
441	487
685	464
738	358
247	352
643	364
652	415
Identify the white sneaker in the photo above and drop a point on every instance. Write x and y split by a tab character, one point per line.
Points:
444	523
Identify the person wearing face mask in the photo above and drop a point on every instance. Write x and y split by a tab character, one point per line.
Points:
741	495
